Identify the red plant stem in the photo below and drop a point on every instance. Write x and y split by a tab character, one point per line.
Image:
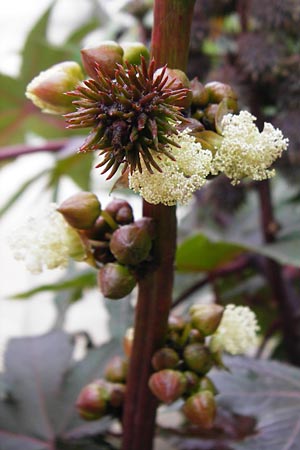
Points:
14	151
170	43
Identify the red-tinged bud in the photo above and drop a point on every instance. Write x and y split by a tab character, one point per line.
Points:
179	80
210	114
81	210
175	323
147	224
133	52
92	400
192	381
116	370
198	358
116	394
107	55
99	230
195	336
219	91
130	244
165	358
125	215
206	384
116	205
48	90
115	281
200	409
200	94
167	385
206	318
128	341
103	255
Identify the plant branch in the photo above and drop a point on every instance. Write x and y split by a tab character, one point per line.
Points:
170	43
14	151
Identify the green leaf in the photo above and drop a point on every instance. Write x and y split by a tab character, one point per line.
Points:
268	391
38	411
86	279
199	253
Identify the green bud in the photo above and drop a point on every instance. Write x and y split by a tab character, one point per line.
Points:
210	114
92	400
130	244
167	385
48	90
175	323
116	394
198	358
200	409
218	91
195	336
116	370
133	52
192	381
81	210
206	318
200	94
115	281
107	55
206	384
165	358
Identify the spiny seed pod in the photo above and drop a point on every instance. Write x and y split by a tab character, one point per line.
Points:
206	384
105	55
128	341
116	370
92	400
198	358
200	409
206	318
167	385
47	90
165	358
81	210
133	52
132	116
192	381
199	93
130	244
115	281
219	91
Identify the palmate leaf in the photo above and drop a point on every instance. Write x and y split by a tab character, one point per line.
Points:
37	412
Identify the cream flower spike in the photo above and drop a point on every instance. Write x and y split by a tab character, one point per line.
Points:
46	241
244	151
236	333
179	179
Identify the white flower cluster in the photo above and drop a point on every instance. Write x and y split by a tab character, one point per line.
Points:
46	241
244	151
179	179
236	333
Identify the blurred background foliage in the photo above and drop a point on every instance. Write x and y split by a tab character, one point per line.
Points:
237	244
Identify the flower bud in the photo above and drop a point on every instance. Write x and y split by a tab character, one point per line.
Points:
130	244
47	90
99	230
115	281
206	318
106	55
116	394
147	224
205	384
210	114
167	385
180	81
218	91
133	52
192	381
175	323
92	400
198	358
195	336
116	370
103	255
165	358
116	205
200	409
199	93
128	341
81	210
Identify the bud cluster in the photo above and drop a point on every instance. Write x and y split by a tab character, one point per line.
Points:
104	396
119	246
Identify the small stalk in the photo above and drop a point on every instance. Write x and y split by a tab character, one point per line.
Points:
170	44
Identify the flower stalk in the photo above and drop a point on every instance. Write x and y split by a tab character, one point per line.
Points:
170	43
